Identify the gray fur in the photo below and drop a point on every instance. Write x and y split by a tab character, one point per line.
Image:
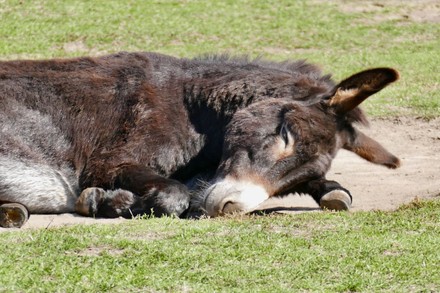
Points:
29	171
41	188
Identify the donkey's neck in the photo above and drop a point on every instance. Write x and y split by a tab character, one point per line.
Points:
212	101
211	109
213	95
209	106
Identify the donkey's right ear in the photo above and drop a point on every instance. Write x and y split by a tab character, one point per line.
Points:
350	92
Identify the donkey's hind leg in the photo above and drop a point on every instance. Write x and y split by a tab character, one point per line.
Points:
39	187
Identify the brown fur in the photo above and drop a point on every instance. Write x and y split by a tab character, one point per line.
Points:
137	125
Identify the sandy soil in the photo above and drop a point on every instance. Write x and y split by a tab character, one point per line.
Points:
415	141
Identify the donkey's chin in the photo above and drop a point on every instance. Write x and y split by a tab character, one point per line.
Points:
230	196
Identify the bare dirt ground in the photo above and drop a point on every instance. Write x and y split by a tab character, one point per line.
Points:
415	141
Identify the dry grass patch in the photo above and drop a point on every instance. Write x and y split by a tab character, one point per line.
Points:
423	11
97	251
149	235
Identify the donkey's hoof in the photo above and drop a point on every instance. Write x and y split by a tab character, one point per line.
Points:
89	200
336	200
13	215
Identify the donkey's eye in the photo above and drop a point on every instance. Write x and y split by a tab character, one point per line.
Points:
284	133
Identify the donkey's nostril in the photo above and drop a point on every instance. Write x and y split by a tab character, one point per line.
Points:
232	207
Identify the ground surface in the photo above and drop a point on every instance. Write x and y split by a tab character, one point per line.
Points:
415	141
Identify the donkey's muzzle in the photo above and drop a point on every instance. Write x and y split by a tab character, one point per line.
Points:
230	196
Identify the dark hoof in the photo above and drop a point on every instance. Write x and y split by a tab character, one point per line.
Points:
336	200
13	215
89	200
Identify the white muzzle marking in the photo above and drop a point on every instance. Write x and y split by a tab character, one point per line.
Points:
242	196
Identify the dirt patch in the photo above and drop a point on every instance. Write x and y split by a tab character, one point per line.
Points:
415	141
97	251
148	236
427	11
285	51
73	47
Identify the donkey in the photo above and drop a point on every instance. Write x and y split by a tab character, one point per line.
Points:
119	135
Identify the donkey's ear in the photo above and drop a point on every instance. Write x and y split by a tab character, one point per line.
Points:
369	149
349	93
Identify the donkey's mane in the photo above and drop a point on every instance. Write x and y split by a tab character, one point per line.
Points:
293	67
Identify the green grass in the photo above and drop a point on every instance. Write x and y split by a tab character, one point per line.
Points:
363	251
337	35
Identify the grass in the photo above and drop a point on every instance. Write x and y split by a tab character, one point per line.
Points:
356	252
364	251
337	35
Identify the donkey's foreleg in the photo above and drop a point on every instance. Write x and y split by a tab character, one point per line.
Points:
138	191
97	202
328	194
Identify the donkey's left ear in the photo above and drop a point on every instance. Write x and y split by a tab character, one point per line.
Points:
349	93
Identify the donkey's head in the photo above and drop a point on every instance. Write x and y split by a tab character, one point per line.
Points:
276	144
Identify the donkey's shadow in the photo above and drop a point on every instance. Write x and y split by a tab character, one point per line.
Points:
263	212
284	210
